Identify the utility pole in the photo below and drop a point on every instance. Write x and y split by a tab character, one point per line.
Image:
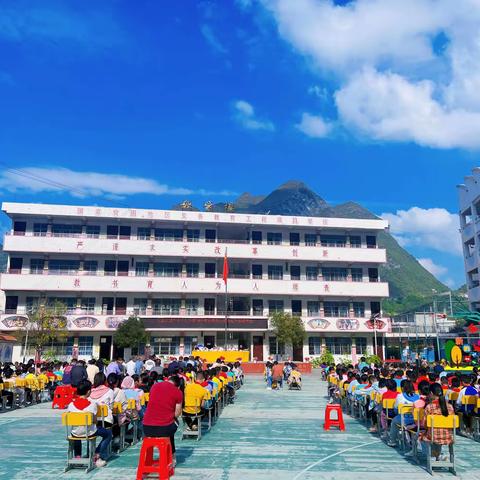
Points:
435	321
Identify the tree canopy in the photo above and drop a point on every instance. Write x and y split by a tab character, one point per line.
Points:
130	333
287	328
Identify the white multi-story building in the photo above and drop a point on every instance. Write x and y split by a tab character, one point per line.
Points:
469	200
165	266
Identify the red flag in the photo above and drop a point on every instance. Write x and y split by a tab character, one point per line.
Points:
225	268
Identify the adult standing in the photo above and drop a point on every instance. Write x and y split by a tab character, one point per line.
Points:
115	366
78	373
164	405
130	366
92	370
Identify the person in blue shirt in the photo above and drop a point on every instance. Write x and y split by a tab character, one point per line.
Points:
363	364
407	397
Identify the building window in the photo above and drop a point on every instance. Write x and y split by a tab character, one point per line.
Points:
92	231
40	229
313	308
85	346
355	241
167	269
311	273
63	267
143	233
361	344
357	275
275	272
257	271
375	308
210	236
314	346
69	302
310	239
297	308
36	265
275	306
90	267
210	270
256	237
88	305
141	269
31	304
63	347
169	234
294	238
339	345
192	270
274	238
140	306
209	306
165	345
333	240
11	304
335	309
257	305
359	309
193	235
62	230
190	344
272	347
332	274
294	272
166	306
191	305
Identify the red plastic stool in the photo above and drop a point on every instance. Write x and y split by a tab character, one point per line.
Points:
162	466
333	422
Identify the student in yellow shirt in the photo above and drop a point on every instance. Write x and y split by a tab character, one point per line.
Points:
195	397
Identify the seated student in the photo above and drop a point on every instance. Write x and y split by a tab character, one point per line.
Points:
195	398
422	375
355	381
131	393
144	384
287	368
406	397
433	377
6	393
102	394
398	377
455	387
375	409
230	377
83	404
467	410
268	375
441	436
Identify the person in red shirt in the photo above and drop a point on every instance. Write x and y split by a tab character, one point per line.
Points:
164	405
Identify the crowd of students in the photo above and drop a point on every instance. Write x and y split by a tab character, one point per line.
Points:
185	387
428	388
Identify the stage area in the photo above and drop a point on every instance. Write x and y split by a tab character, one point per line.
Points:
265	435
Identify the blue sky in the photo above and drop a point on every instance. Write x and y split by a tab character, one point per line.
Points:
162	101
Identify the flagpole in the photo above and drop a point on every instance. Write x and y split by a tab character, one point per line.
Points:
226	304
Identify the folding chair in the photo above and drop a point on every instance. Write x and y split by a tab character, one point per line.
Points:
117	410
208	414
71	420
19	384
439	421
9	386
476	422
198	418
418	417
102	413
388	406
135	423
469	403
404	410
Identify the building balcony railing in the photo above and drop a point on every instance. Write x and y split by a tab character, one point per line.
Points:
201	250
184	285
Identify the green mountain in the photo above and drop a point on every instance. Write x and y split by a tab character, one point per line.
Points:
411	285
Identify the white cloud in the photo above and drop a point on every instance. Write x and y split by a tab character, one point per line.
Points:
244	114
314	126
393	82
434	228
212	39
86	184
432	267
319	92
386	106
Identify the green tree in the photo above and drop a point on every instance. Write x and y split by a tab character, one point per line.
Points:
130	333
43	325
288	329
327	357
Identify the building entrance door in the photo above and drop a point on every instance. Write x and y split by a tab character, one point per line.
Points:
258	347
105	347
298	353
209	341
